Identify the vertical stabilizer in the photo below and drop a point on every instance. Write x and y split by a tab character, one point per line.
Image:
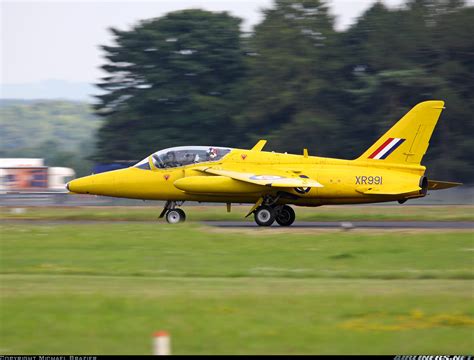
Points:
407	140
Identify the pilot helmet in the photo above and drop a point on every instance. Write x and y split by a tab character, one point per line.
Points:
212	153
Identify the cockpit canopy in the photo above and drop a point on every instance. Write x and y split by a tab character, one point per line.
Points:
183	155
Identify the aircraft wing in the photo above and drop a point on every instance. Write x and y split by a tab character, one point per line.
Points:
265	177
388	190
439	185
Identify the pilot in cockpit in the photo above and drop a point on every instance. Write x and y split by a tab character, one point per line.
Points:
212	153
170	159
190	158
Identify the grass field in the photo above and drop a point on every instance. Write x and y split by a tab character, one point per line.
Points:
105	288
324	213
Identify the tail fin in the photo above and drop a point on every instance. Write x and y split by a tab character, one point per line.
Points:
407	140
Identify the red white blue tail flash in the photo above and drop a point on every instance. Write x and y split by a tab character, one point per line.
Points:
386	149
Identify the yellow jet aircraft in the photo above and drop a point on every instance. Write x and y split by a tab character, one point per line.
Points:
389	170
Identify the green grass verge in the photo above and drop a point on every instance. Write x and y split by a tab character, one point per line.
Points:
192	251
105	288
324	213
117	315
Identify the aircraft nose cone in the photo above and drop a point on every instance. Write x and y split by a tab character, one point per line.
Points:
80	186
100	184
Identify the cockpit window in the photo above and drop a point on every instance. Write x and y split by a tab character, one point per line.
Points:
144	166
184	155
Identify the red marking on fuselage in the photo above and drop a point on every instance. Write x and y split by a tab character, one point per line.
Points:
166	177
243	156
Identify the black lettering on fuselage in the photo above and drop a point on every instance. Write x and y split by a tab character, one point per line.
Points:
368	180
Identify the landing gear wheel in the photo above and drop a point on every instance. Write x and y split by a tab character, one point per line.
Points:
175	216
264	215
285	215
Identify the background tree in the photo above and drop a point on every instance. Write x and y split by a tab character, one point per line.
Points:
401	57
170	83
61	132
190	77
290	77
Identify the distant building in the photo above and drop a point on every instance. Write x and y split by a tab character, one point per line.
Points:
28	175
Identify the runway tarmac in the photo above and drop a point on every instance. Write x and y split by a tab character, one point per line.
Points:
355	224
297	224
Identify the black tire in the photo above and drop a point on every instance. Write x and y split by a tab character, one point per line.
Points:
175	216
264	215
285	215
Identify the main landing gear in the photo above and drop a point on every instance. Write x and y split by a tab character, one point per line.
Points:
267	210
173	215
266	215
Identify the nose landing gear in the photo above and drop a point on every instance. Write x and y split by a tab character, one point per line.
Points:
173	215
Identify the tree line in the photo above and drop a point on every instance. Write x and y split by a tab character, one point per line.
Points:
192	77
62	132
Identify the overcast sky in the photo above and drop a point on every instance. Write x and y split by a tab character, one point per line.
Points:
43	40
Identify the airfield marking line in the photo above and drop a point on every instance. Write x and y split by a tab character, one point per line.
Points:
229	278
330	275
263	287
316	231
244	280
356	224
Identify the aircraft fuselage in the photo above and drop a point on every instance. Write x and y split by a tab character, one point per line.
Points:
389	170
342	179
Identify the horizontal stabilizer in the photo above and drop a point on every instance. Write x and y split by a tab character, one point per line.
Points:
388	190
440	185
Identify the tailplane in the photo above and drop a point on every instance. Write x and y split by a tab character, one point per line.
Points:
407	140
